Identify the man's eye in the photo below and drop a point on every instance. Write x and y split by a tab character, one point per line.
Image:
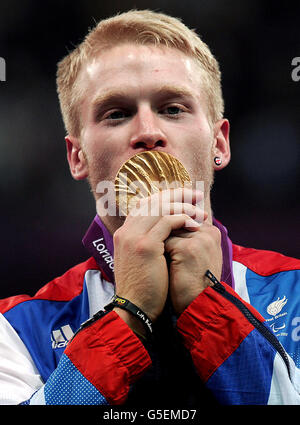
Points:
116	115
172	110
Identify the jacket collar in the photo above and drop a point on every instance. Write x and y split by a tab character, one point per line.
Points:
99	243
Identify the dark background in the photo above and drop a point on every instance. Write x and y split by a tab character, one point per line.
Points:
44	213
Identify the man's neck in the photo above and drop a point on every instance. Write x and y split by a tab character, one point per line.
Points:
112	223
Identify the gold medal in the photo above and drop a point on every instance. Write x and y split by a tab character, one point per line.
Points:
147	173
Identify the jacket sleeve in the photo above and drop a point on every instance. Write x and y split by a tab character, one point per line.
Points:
98	366
235	353
19	377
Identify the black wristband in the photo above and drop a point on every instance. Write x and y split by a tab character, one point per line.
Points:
133	309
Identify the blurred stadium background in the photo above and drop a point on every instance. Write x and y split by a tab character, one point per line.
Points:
44	213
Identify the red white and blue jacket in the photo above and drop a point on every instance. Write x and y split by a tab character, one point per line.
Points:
236	343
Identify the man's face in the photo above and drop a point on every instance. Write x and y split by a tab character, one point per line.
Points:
140	98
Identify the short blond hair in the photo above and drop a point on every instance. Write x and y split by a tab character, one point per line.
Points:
139	27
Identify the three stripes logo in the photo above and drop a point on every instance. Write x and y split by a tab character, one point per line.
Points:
61	337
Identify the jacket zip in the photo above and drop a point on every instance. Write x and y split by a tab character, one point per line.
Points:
264	331
89	322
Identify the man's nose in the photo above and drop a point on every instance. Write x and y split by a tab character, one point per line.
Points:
147	133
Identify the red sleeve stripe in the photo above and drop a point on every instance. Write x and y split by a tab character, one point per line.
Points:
110	356
213	328
264	263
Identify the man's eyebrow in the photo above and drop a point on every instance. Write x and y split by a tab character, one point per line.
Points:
108	97
170	91
166	91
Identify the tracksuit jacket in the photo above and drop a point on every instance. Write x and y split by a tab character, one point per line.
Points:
236	343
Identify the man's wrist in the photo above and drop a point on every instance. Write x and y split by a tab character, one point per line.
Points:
133	322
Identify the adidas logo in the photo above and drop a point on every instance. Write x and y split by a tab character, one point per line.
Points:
61	337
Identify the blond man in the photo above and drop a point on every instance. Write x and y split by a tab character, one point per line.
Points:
166	311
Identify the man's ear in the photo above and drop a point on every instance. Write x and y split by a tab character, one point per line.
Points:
76	158
221	147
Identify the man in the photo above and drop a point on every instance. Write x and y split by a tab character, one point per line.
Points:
142	81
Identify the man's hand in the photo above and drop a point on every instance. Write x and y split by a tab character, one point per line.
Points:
191	254
141	269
